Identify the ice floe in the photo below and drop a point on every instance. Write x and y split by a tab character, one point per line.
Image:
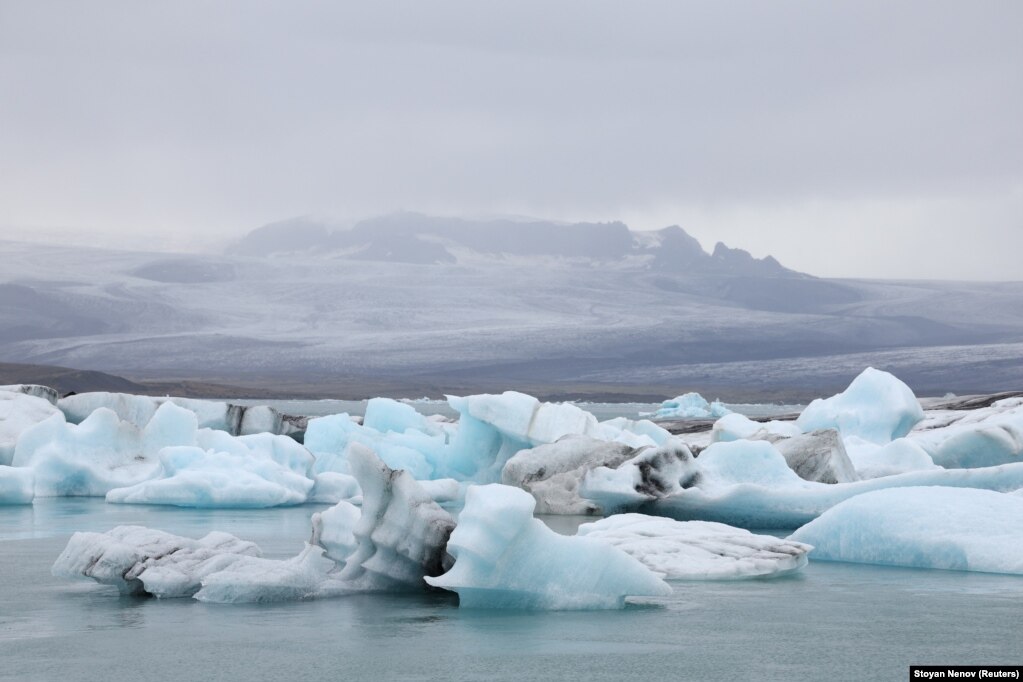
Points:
930	527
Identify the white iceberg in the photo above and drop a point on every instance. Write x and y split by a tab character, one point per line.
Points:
697	550
932	527
737	426
309	575
141	560
876	406
504	558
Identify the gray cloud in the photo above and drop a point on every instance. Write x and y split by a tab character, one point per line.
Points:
876	139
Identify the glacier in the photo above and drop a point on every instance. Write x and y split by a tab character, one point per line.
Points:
925	527
504	558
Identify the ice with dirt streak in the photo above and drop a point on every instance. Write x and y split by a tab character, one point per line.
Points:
697	550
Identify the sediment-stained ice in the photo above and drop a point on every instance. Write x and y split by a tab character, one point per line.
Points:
552	473
504	558
652	474
697	550
139	409
750	485
876	406
401	533
931	527
140	560
818	456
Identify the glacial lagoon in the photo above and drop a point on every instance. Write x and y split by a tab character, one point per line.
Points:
828	621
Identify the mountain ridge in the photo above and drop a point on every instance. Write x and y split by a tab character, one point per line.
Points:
417	238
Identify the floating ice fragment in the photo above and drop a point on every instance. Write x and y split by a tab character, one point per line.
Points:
504	558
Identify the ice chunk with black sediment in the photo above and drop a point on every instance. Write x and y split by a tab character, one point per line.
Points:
401	534
697	550
749	484
818	456
931	527
504	558
140	560
876	406
552	473
652	474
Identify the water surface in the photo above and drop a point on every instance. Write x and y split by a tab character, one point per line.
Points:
832	621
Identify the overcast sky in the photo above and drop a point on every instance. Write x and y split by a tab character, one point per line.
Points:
847	139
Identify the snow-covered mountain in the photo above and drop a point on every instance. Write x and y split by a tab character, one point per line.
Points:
408	304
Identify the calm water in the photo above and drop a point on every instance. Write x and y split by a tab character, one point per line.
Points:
834	621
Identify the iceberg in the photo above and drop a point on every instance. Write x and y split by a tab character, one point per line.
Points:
309	575
17	485
86	459
401	534
750	485
19	411
697	550
552	473
653	474
974	438
140	560
876	407
139	410
818	456
193	477
928	527
736	426
334	531
690	406
504	558
898	457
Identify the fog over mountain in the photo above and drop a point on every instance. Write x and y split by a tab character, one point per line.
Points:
410	304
